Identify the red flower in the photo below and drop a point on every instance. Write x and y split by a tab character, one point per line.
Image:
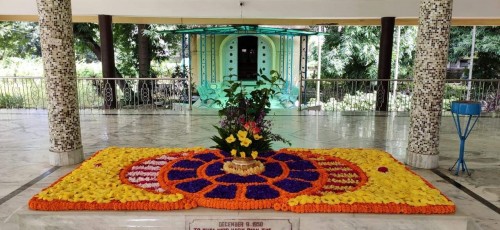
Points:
256	130
252	127
383	169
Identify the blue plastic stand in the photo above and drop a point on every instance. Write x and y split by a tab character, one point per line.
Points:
470	110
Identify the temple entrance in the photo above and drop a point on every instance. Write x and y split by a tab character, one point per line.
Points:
247	58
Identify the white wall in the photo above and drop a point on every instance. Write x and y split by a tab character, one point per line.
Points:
297	9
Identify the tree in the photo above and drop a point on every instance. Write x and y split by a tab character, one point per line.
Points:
144	60
487	49
19	39
136	46
86	38
352	52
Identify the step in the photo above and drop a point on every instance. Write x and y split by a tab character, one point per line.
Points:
216	219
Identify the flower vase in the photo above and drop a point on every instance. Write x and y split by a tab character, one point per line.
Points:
243	166
244	162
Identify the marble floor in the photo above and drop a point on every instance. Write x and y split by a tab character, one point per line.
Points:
24	144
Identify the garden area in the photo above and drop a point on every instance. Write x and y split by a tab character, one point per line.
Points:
148	72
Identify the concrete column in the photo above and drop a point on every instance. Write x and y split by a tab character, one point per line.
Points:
429	77
56	37
384	63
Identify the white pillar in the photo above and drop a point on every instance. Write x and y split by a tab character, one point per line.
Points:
471	66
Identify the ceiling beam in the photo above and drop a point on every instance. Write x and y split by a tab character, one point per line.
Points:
257	21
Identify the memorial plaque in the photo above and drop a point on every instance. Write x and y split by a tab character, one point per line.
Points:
239	224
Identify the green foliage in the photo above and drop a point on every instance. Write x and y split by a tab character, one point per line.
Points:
8	101
351	52
14	66
19	39
487	65
86	37
245	113
162	47
487	49
92	69
407	50
454	90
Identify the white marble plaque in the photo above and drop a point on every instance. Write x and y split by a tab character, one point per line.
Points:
239	224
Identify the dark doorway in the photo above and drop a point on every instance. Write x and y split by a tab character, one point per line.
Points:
247	58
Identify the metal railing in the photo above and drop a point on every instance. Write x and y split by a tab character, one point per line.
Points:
361	94
97	93
173	93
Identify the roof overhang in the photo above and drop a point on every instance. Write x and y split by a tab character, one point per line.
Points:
244	29
269	12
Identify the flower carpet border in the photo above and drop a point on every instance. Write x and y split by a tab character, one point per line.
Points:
296	180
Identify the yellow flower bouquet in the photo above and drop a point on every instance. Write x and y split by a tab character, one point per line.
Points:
244	132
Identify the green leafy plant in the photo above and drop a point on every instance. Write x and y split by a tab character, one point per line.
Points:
243	129
8	101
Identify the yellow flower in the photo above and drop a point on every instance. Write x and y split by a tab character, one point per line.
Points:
257	137
293	202
233	152
242	134
243	154
230	139
254	154
245	142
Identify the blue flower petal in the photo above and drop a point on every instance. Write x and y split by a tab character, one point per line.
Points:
267	154
214	169
260	192
224	153
272	170
305	175
233	178
300	165
292	186
188	164
207	157
287	157
193	186
181	174
223	192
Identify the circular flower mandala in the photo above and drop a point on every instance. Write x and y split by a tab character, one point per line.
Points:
199	176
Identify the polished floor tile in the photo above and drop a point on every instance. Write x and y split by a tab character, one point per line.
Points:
24	145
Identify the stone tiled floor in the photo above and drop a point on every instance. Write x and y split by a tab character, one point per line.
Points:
24	147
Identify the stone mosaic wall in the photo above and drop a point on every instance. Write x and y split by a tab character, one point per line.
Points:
56	37
430	73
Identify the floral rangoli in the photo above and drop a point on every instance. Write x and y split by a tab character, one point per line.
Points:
298	180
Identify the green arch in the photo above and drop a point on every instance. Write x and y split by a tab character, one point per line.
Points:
230	38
